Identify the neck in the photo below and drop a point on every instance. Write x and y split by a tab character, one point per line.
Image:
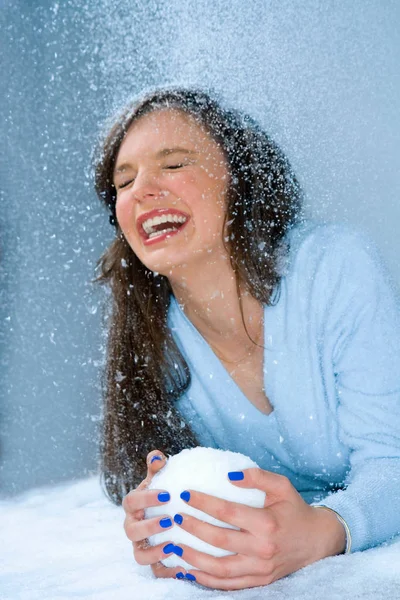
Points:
210	300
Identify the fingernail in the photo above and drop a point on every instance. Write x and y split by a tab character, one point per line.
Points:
178	519
164	497
180	576
165	523
236	475
155	458
178	550
190	577
185	496
168	549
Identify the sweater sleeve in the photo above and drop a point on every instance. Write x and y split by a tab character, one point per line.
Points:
362	325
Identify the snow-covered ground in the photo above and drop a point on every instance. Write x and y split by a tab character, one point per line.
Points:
68	542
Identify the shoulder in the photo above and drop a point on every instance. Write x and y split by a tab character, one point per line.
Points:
334	249
336	268
312	240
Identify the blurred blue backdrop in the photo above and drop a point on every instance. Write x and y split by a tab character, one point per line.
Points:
322	77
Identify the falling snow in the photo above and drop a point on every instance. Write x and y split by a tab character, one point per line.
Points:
323	80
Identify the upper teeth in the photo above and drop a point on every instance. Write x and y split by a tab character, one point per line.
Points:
149	224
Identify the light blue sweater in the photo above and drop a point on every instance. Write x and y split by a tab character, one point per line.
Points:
332	374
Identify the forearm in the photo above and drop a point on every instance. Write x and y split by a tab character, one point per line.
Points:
370	504
334	537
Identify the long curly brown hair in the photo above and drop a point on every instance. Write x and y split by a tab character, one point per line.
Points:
145	372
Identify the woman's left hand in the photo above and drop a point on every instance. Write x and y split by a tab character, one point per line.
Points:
274	541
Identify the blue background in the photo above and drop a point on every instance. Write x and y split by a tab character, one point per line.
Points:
322	77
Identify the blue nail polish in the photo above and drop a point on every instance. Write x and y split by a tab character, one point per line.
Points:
168	549
185	496
236	475
165	523
155	458
180	576
190	577
164	497
178	550
178	519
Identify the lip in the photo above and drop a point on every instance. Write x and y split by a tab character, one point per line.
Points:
155	213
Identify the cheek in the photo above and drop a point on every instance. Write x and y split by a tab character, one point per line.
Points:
124	212
210	227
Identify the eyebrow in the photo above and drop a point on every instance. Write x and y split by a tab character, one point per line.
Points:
161	154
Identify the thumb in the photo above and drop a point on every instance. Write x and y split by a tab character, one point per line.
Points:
155	461
277	487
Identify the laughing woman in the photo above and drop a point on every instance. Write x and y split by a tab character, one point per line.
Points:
238	325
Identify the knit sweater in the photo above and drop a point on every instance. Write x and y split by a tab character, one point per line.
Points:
332	375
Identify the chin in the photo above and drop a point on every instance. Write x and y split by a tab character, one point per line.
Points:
168	269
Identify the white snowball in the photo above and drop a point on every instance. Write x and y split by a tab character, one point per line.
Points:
205	470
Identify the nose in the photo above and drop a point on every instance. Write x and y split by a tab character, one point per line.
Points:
145	186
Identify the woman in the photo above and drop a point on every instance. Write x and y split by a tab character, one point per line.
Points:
236	324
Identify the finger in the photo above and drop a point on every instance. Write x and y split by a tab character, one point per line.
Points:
232	513
137	530
224	566
149	555
155	460
231	583
232	540
162	571
140	499
277	487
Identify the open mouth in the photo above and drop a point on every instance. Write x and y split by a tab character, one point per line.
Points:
154	228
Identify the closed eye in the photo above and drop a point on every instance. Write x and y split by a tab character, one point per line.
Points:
178	166
170	167
125	184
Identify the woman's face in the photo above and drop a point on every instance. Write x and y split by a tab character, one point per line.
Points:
171	179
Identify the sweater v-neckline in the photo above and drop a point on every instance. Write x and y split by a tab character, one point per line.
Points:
253	410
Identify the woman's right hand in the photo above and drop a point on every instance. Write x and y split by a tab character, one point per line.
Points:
138	529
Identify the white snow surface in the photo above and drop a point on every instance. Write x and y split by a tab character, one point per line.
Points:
205	470
67	541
